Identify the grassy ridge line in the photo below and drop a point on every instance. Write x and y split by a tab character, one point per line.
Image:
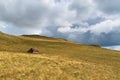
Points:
7	37
59	60
65	49
46	39
43	37
22	44
21	66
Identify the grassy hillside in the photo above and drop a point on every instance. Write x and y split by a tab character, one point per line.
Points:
59	59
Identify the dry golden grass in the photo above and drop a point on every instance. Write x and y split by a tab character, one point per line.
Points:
24	66
59	60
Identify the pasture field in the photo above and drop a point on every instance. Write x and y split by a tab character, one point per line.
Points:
59	59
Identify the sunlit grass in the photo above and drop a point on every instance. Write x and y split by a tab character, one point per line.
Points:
24	66
59	59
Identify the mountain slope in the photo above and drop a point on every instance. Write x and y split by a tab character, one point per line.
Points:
97	63
19	66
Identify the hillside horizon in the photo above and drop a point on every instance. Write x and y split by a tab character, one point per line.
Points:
114	47
58	59
59	40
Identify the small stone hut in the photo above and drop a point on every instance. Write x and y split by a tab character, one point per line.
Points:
33	50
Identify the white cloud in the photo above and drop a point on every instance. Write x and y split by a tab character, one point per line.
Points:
106	26
113	47
84	21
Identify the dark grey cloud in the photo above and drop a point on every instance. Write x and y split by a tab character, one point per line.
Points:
95	20
84	21
109	6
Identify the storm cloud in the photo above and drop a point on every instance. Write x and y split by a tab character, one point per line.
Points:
109	6
84	21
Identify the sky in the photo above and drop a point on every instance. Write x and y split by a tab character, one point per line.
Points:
83	21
